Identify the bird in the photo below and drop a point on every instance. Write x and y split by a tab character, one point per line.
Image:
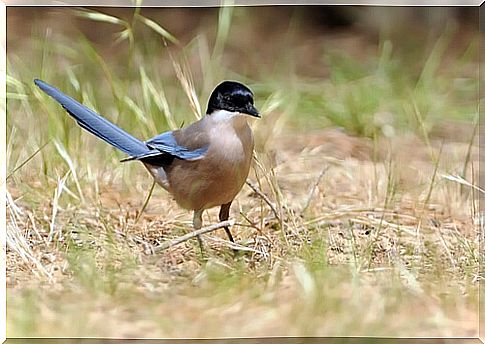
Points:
203	165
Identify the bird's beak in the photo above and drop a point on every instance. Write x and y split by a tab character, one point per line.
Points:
252	111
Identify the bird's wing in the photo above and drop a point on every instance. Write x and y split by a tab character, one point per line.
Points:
167	143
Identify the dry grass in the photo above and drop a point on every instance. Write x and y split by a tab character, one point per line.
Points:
346	262
370	233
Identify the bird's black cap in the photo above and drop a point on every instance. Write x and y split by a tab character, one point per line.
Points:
232	96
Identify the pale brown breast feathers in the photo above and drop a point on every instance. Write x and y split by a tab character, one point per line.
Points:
219	176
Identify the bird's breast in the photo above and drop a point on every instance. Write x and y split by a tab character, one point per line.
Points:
230	145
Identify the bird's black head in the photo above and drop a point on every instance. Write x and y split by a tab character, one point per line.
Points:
234	97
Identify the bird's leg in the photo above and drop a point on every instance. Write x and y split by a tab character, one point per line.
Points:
223	216
197	223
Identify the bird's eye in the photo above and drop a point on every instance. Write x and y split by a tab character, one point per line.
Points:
227	98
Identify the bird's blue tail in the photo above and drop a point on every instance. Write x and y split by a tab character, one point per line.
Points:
95	124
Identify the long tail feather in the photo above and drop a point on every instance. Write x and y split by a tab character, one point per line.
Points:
95	124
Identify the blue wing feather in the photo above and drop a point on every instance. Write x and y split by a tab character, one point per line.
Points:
166	142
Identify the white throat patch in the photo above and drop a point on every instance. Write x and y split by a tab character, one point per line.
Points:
224	116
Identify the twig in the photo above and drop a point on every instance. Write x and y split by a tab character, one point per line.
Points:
314	187
191	235
146	202
235	246
27	160
264	197
460	180
469	154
